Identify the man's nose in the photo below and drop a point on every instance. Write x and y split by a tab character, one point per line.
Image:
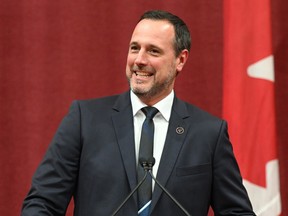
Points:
141	58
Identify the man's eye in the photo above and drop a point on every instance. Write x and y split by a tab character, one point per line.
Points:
134	48
154	51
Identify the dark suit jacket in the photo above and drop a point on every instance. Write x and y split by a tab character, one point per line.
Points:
92	158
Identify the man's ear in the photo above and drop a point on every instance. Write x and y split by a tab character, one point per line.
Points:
181	60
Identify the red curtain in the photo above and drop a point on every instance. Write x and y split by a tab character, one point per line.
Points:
52	52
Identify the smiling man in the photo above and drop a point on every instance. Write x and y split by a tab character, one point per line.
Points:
152	63
97	152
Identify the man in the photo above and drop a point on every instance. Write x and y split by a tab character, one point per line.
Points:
94	154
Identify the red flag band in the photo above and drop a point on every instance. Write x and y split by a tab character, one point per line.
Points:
248	99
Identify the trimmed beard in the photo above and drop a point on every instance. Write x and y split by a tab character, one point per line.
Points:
155	89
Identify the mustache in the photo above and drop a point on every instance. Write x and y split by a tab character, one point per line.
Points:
143	69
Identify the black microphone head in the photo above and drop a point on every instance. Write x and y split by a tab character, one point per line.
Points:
151	161
143	162
147	164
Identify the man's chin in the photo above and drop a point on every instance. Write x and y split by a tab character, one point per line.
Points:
141	92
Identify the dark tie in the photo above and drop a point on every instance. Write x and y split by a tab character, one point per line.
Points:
146	152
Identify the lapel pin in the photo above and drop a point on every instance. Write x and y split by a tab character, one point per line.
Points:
179	130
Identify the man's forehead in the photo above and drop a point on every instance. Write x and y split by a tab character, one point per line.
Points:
158	29
150	23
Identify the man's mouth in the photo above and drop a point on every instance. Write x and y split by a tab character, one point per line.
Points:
143	74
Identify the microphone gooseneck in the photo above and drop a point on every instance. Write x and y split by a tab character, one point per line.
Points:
129	195
150	163
147	165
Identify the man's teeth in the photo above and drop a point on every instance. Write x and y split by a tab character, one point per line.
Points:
143	74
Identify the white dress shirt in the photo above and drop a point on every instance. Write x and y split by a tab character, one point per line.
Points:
161	122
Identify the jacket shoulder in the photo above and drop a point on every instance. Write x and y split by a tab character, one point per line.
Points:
196	113
104	103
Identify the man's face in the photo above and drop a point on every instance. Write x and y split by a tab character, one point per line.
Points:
151	63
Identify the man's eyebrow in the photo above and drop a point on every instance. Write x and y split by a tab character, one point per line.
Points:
154	46
133	43
150	46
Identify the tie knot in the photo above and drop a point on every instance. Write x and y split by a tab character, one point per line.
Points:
149	111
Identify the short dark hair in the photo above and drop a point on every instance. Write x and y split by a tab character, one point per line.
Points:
182	34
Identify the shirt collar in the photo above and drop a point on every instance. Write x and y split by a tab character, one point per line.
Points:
164	106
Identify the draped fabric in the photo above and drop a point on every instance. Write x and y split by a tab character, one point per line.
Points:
52	52
248	99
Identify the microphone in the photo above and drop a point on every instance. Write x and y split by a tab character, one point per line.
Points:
147	165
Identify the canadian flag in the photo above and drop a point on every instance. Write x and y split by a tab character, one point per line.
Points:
248	100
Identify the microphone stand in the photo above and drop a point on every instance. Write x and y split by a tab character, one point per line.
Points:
131	193
147	165
171	197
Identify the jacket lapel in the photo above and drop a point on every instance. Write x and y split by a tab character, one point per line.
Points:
176	134
124	129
